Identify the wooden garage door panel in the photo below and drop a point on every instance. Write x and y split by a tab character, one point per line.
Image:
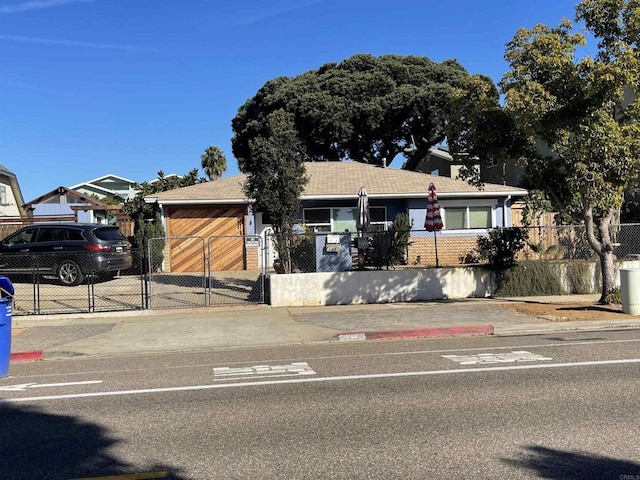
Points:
207	223
200	222
187	254
226	253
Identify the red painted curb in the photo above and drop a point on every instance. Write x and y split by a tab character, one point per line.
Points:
26	356
426	332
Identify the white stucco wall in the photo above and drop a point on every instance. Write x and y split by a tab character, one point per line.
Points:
378	286
388	286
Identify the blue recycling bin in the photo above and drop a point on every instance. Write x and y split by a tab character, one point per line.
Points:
6	311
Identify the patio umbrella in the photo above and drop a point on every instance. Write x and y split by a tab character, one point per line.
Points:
363	221
433	220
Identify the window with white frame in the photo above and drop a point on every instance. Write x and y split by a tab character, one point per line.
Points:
3	195
342	219
378	218
460	218
318	219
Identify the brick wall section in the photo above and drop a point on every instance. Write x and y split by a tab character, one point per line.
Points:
451	250
251	255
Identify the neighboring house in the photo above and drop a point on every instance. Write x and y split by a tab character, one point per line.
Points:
68	204
437	162
109	185
11	200
440	162
220	209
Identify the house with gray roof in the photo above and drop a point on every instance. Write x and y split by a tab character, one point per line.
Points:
109	185
11	200
220	209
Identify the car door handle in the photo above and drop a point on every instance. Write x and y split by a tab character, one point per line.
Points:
57	248
24	250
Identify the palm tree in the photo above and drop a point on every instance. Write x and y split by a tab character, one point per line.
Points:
214	163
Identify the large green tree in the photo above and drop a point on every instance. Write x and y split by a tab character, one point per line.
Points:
481	130
213	162
365	108
276	178
582	114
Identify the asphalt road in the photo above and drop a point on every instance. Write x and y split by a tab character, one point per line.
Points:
547	406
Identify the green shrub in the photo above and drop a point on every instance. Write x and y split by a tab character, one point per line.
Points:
579	276
302	252
144	231
401	230
614	297
528	278
501	246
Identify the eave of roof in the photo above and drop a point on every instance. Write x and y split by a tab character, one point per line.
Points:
340	180
104	177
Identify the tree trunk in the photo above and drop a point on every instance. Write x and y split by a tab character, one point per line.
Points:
608	268
603	246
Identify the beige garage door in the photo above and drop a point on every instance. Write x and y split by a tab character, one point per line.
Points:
225	227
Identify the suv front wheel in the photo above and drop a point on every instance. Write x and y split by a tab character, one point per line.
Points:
69	273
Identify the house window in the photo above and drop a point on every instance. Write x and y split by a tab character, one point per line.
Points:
378	218
459	218
3	195
492	162
342	219
318	219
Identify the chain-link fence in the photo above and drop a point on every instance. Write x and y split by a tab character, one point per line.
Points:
180	272
199	272
318	252
172	272
70	282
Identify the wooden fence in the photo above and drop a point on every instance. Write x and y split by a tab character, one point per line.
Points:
8	225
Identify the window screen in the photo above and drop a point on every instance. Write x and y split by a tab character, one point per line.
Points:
479	217
377	214
455	218
317	215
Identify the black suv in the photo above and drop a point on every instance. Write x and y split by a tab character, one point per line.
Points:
70	251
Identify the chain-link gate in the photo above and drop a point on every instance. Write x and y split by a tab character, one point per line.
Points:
236	269
176	269
186	272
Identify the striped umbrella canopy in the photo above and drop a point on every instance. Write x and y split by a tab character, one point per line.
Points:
363	221
433	220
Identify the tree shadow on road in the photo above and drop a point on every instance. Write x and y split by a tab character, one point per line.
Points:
562	465
36	444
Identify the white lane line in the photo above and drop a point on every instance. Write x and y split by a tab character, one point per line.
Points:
319	379
23	386
183	366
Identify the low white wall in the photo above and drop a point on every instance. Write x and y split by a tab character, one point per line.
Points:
387	286
378	286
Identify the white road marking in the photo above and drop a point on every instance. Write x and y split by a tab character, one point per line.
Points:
320	379
297	368
23	386
487	358
183	366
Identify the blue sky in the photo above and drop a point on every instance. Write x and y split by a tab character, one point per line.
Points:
131	87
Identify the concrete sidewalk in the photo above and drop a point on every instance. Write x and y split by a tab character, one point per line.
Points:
123	333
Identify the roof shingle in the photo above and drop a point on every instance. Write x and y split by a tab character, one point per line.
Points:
342	180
